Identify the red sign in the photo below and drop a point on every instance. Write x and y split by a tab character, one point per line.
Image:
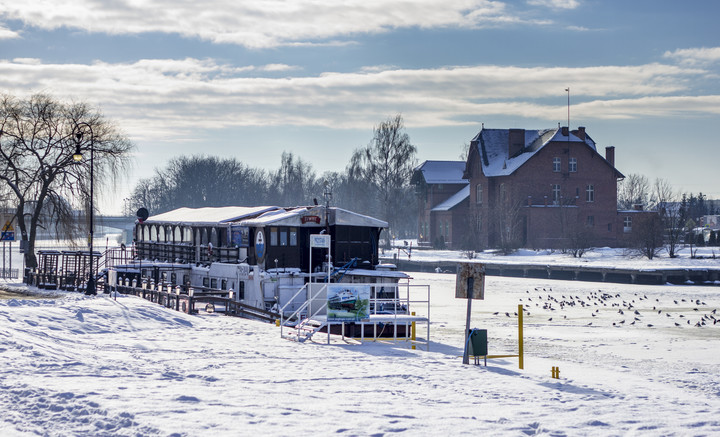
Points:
310	218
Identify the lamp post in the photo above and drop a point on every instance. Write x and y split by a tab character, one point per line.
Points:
91	289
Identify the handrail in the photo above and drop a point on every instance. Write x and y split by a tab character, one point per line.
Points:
302	307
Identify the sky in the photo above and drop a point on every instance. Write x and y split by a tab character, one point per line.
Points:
253	79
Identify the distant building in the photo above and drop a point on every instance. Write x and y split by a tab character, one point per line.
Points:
547	188
443	196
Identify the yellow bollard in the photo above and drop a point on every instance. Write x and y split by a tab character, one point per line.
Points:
555	371
412	333
521	358
277	322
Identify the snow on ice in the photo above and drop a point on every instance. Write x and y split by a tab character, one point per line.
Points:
633	359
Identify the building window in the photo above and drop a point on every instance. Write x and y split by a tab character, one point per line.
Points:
283	237
447	230
572	165
241	290
213	283
223	284
556	193
293	236
609	227
273	236
591	220
627	224
479	194
206	282
590	193
556	165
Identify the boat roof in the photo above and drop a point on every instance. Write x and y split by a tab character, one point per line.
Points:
210	215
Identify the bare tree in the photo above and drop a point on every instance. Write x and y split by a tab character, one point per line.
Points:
295	181
672	213
198	181
648	236
634	190
37	142
386	165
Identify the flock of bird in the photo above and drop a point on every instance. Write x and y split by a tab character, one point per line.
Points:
613	308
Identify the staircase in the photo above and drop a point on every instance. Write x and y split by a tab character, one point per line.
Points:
301	329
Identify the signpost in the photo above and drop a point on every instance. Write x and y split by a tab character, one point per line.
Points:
470	284
8	234
321	241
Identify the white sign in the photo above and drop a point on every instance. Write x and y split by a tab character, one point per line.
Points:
320	240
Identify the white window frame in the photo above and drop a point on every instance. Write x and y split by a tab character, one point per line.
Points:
572	165
590	193
557	164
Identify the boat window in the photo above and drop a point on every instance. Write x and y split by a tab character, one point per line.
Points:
293	236
213	283
206	282
241	290
223	284
284	237
173	278
273	236
214	237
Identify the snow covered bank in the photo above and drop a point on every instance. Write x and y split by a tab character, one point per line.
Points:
80	365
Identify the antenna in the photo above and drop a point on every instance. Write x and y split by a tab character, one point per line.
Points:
568	91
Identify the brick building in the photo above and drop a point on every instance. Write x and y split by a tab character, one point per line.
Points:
443	196
547	188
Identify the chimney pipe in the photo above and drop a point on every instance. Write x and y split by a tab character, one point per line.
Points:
610	155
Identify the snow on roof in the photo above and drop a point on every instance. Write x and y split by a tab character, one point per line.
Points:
454	200
265	215
293	217
442	172
222	214
493	148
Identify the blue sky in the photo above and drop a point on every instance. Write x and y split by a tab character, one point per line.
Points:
255	78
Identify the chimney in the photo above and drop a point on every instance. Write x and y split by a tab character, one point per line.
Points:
580	132
516	142
565	131
610	155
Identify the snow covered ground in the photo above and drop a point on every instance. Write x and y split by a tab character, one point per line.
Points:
77	365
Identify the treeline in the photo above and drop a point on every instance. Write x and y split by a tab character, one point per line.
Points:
375	182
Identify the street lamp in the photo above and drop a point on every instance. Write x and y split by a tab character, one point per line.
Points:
77	156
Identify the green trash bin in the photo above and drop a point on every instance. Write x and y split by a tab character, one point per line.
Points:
478	344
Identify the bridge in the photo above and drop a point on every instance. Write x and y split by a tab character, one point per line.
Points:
124	224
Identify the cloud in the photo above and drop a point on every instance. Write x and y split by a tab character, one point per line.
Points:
555	4
6	33
262	23
170	100
695	56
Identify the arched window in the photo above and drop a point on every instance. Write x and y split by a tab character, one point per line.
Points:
153	233
479	194
214	237
161	233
